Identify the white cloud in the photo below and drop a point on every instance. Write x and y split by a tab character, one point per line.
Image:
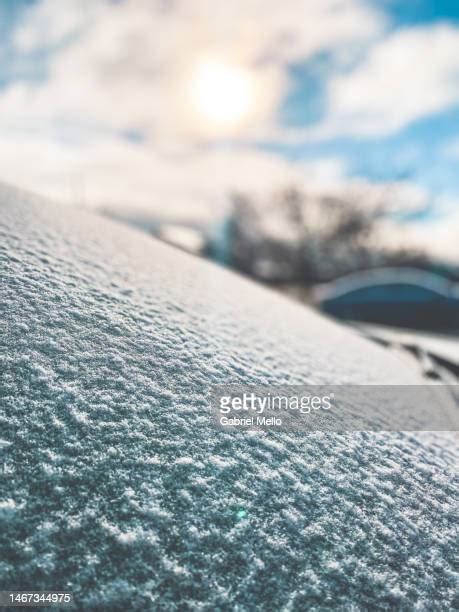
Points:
50	22
128	64
410	74
437	238
188	181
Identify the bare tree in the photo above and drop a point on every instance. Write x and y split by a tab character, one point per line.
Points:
307	238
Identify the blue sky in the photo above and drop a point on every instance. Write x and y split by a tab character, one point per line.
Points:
414	12
99	100
414	152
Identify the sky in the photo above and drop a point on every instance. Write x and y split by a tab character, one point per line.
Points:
170	105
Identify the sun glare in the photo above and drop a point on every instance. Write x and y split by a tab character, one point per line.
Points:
222	93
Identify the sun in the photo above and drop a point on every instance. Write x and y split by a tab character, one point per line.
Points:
222	93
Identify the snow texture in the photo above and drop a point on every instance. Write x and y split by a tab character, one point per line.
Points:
117	487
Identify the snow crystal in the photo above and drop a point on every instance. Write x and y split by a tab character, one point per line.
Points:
150	491
221	462
184	461
127	538
7	505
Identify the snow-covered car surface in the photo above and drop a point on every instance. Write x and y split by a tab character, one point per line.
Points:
118	488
